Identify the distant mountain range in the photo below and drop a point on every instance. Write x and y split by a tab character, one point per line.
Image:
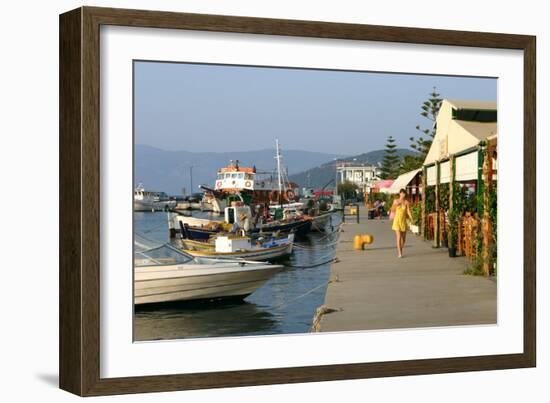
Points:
321	175
170	171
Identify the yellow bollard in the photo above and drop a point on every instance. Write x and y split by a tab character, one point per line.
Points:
358	242
353	210
367	239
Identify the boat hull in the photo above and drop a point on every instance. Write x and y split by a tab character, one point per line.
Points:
197	227
263	254
320	222
161	284
143	205
299	228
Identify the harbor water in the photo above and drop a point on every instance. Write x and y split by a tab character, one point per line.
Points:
285	304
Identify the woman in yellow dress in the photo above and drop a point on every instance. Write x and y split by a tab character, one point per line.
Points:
400	208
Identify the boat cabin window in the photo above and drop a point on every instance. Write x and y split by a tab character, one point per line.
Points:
220	176
248	176
233	175
241	175
159	255
230	215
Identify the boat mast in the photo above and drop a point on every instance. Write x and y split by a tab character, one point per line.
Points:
278	158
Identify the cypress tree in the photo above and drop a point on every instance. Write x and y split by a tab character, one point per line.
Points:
428	110
391	161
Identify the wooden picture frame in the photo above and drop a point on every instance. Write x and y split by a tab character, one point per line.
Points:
80	199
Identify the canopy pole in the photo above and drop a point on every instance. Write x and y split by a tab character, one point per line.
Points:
486	221
452	167
479	199
423	219
436	243
479	184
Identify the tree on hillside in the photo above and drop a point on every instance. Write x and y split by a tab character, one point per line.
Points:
422	144
347	189
409	163
391	161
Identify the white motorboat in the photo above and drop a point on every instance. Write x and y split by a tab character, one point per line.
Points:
162	273
146	200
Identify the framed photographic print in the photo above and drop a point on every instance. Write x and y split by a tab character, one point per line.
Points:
249	201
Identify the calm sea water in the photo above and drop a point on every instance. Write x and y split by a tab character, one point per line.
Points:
285	304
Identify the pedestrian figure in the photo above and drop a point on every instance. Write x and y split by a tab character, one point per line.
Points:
377	208
402	212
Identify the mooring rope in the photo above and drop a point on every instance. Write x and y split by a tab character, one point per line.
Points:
319	262
156	227
323	246
299	296
337	230
312	265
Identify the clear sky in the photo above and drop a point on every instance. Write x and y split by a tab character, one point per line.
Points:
197	107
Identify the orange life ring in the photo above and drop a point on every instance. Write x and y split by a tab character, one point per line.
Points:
219	184
290	195
247	184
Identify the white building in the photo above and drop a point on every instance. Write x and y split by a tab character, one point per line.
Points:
361	175
461	126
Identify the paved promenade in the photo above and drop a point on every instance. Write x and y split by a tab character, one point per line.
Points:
373	289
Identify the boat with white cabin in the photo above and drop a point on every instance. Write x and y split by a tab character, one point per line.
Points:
254	187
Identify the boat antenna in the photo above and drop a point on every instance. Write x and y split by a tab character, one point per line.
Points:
278	158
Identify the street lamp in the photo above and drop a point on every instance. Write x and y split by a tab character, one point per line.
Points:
191	166
191	176
336	177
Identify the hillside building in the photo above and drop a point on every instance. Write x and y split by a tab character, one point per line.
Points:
362	175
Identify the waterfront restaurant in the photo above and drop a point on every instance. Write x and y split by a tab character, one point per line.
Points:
412	183
459	180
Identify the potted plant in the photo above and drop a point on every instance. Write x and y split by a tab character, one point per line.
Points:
453	232
416	213
444	239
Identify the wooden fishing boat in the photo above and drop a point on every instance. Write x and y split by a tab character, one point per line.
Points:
234	246
236	182
320	222
203	228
